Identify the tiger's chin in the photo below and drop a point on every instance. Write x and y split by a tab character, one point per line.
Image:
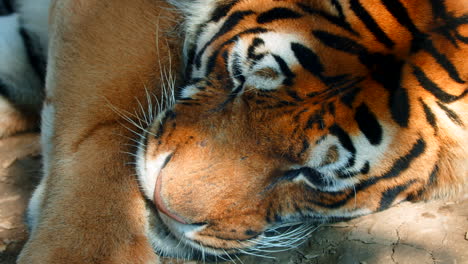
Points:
175	240
172	239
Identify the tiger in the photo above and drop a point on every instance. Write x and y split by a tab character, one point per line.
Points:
307	111
288	112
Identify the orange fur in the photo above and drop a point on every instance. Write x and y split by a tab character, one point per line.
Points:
228	159
226	176
103	54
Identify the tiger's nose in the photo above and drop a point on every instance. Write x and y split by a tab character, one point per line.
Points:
160	204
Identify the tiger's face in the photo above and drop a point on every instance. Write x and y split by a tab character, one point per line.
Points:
284	122
221	174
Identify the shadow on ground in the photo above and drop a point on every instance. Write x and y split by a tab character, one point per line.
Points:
434	232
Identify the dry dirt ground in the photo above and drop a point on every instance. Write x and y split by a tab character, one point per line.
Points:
434	232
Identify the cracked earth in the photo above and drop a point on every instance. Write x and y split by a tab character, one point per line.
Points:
433	232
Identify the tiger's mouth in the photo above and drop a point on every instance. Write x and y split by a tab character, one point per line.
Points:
170	238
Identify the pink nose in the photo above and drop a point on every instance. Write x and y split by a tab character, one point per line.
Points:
159	202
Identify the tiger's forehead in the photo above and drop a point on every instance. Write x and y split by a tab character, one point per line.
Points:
272	26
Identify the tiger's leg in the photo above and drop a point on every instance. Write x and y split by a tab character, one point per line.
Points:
20	82
102	55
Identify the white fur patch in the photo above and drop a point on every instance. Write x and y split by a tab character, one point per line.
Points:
189	91
279	43
196	12
35	206
274	44
148	171
47	134
365	153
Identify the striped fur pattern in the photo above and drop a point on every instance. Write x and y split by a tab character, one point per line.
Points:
300	111
293	112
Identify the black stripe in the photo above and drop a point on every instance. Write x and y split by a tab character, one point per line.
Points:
384	68
427	186
288	81
233	20
421	40
343	137
451	114
430	117
339	8
166	161
389	196
349	97
346	175
368	124
331	108
34	53
340	42
298	115
308	59
314	176
315	118
222	10
293	94
236	68
438	9
212	59
351	162
190	60
398	167
305	147
370	23
192	51
170	115
400	106
311	62
280	104
340	81
433	88
366	168
341	85
378	63
404	162
433	176
277	13
339	20
396	8
188	103
443	61
256	42
449	28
